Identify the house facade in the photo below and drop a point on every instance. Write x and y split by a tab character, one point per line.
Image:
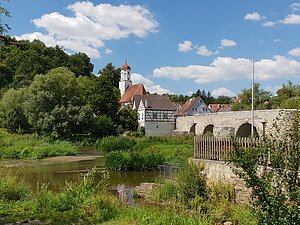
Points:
156	114
192	107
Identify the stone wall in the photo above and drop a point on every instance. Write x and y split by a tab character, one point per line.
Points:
228	123
221	171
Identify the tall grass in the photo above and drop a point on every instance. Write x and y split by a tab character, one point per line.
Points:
30	146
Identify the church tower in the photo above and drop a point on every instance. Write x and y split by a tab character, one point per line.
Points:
125	80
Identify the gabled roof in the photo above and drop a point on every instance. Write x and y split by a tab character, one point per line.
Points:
131	91
155	102
219	107
187	106
125	67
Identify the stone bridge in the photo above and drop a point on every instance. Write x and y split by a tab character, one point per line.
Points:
237	123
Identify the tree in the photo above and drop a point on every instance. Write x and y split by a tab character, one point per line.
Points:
80	64
54	105
128	119
12	115
261	99
111	73
6	75
286	92
3	26
271	170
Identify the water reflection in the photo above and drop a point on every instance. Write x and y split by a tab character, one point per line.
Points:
55	174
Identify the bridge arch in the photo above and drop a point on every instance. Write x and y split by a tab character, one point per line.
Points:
209	130
245	131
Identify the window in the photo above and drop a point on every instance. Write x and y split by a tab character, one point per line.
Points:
154	115
165	115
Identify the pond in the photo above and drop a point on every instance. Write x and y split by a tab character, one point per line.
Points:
57	170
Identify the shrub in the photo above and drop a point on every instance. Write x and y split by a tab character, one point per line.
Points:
11	189
109	144
133	161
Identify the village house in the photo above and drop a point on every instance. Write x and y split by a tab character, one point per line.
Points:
155	113
214	108
192	107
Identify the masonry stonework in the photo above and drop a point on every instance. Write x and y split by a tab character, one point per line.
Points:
228	123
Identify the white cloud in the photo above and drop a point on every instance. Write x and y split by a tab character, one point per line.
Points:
268	24
222	91
150	86
226	68
227	43
295	6
294	52
92	25
276	40
253	16
185	46
291	19
203	50
273	90
108	51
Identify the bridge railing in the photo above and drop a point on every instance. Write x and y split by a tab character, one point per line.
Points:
216	148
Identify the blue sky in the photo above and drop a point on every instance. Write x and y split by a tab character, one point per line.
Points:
173	46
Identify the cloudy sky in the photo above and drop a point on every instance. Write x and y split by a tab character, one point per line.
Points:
173	46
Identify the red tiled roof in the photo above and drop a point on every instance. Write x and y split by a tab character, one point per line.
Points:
125	67
187	106
219	107
155	102
131	91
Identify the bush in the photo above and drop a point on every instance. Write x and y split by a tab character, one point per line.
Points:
11	189
133	161
109	144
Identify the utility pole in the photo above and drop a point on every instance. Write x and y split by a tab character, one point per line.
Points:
252	101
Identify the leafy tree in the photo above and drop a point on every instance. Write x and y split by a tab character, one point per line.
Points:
12	114
110	72
222	100
53	104
291	103
80	64
128	119
3	27
271	170
105	126
286	92
6	75
261	99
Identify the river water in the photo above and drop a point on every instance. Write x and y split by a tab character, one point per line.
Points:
55	172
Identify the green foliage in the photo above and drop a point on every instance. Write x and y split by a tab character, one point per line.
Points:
3	26
192	181
133	161
111	73
29	146
110	144
128	119
275	188
261	99
80	64
11	189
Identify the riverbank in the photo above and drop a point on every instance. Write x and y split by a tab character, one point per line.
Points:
186	201
31	146
144	153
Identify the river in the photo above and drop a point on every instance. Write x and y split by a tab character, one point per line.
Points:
55	172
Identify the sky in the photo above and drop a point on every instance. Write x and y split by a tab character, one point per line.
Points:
173	46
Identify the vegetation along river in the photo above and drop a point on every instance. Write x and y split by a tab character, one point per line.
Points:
55	171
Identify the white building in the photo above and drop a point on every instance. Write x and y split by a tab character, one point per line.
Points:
156	114
192	107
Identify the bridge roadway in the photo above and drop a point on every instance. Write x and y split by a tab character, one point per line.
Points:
237	123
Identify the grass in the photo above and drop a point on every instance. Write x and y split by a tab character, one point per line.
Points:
90	202
30	146
144	153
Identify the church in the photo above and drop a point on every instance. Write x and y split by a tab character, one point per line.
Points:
155	113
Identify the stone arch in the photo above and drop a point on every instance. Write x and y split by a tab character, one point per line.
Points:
245	130
193	129
208	130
